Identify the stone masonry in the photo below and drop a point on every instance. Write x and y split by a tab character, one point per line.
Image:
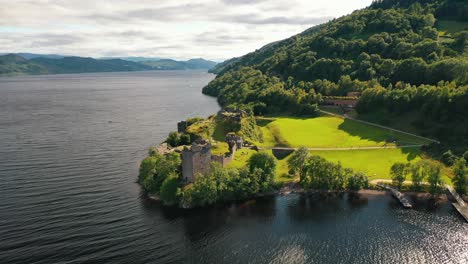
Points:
195	159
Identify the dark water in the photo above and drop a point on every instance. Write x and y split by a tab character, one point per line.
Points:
69	152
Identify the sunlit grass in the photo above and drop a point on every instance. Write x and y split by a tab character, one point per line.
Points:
327	132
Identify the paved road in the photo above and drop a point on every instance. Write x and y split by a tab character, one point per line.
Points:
377	125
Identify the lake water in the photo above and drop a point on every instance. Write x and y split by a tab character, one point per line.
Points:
69	152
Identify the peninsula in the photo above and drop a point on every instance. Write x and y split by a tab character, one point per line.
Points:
378	95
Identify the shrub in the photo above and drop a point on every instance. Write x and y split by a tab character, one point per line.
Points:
448	158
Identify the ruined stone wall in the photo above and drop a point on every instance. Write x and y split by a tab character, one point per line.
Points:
187	166
195	160
223	160
201	162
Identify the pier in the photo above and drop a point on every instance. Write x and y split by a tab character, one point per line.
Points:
460	205
397	194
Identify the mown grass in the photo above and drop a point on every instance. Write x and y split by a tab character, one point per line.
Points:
375	163
240	158
327	132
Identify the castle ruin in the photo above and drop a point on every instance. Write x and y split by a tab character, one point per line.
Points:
195	159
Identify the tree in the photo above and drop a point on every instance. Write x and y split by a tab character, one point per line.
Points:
185	139
147	167
357	182
418	173
434	172
448	158
170	190
460	178
461	40
202	192
266	162
398	173
465	155
297	161
173	139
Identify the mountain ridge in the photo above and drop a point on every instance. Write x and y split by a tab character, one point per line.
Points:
15	64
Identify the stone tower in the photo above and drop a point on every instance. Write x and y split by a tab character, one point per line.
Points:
195	159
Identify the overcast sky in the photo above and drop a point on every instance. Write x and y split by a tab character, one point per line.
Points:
212	29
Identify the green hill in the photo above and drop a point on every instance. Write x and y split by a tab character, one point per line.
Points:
397	53
168	64
16	64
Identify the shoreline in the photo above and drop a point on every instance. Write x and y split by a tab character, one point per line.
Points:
418	198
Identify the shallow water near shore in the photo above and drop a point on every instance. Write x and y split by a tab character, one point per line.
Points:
69	152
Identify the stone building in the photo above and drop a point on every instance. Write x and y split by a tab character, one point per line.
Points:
348	101
353	94
234	140
195	159
182	126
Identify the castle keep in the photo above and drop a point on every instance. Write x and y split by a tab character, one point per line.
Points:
195	159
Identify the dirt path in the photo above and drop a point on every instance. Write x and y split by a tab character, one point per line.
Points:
346	148
389	181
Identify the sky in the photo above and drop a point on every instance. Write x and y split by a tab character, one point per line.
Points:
182	29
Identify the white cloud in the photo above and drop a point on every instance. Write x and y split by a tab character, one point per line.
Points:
213	29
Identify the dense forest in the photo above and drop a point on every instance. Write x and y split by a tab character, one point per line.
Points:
406	57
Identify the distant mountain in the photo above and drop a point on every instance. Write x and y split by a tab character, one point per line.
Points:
200	64
79	64
135	59
12	64
34	55
16	64
193	64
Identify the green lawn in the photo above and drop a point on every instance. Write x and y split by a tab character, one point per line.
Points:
375	163
240	158
326	132
219	148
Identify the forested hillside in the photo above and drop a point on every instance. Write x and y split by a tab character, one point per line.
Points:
407	57
16	64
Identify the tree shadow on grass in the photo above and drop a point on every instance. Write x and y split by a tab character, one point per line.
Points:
364	131
380	136
262	122
412	153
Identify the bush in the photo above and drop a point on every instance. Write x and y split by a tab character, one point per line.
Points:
173	139
357	182
185	139
448	158
460	178
170	190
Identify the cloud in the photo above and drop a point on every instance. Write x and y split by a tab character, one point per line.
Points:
46	39
177	29
243	2
280	20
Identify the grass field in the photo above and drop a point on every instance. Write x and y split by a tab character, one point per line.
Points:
375	163
326	132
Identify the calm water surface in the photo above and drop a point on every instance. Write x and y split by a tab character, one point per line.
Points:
69	152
